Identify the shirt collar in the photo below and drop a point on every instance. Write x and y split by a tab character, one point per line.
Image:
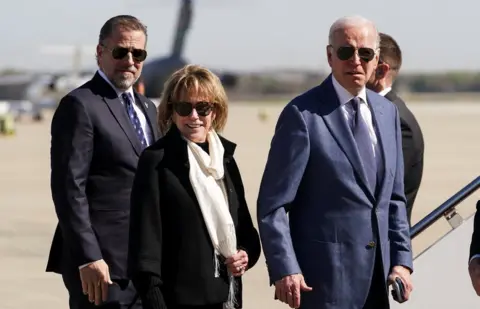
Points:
118	91
385	91
344	96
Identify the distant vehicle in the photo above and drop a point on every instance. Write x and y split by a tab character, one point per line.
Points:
156	72
24	93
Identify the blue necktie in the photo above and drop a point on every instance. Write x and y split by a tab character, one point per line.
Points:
364	144
132	115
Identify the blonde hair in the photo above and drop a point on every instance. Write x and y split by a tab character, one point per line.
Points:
197	80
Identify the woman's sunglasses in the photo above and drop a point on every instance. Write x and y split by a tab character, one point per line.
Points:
119	53
185	109
346	52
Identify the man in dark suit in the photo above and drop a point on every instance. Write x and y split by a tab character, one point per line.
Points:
331	207
98	132
381	81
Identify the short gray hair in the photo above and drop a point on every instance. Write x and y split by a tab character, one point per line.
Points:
352	21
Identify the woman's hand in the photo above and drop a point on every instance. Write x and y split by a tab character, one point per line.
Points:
237	263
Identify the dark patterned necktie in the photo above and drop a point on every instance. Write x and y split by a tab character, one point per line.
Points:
132	115
364	143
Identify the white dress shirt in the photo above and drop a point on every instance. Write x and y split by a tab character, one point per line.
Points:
344	97
138	109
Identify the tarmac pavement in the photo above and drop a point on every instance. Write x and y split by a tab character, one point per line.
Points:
27	216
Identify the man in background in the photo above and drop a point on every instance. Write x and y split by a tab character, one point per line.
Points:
381	81
98	132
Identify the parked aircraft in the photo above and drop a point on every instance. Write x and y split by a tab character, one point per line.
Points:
157	71
24	94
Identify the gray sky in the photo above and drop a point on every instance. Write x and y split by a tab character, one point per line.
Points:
245	34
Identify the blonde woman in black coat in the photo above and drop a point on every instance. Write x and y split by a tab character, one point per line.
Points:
191	233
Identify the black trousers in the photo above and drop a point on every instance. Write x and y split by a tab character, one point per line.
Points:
378	294
117	298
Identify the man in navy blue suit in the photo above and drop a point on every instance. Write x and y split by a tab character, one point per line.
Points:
98	132
331	208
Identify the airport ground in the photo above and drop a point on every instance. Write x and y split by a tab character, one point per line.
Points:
27	217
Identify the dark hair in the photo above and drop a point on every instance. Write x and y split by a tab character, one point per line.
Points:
390	52
126	22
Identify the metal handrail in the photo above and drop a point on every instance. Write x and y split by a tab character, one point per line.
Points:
447	209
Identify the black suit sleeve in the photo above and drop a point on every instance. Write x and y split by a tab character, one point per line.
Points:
247	236
145	234
475	243
71	153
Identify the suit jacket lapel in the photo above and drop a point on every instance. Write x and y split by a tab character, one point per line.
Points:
120	114
150	111
380	123
336	123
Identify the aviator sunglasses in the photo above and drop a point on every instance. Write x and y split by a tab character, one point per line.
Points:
185	109
347	52
120	53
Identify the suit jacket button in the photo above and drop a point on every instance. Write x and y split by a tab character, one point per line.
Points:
371	245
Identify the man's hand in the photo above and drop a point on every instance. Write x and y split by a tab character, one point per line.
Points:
474	272
288	289
237	263
95	280
404	274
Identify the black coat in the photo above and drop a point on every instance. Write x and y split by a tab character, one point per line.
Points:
171	257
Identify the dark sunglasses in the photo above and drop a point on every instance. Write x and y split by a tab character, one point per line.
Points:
347	52
185	109
120	53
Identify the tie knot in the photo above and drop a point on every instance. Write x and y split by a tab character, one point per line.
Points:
356	103
127	98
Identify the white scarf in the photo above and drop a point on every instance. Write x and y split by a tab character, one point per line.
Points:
207	179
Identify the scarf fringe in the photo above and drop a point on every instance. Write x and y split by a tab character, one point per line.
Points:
216	264
232	300
232	285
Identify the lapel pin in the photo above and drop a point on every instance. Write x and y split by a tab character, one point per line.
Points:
146	105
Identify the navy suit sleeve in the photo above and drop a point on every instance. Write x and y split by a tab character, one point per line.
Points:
399	231
287	159
71	154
